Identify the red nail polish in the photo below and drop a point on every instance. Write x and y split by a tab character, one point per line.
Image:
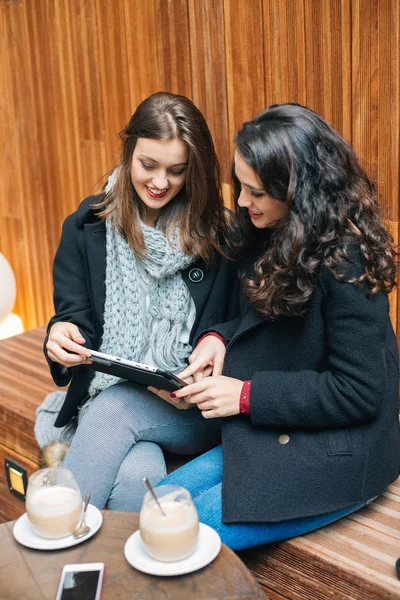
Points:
173	395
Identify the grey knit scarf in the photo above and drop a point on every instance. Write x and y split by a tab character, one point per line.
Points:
128	333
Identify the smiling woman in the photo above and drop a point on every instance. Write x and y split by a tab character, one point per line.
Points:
305	381
138	274
158	173
264	210
167	149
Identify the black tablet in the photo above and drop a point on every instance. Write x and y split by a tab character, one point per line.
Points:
134	371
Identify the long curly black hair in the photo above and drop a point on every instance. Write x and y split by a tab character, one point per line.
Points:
302	161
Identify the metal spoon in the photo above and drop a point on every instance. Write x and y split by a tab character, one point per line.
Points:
82	528
148	485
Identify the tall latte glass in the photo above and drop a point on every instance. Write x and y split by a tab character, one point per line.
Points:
171	536
53	502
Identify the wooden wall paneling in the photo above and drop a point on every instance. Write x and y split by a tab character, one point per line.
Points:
376	106
328	61
388	171
173	46
63	141
141	36
207	53
86	65
394	297
88	89
73	72
39	82
10	194
142	30
60	121
365	91
284	43
94	165
388	175
43	112
244	62
114	77
392	185
31	266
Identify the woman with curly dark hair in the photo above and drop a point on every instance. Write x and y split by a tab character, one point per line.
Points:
308	398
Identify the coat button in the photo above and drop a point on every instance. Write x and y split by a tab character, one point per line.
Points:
196	275
283	439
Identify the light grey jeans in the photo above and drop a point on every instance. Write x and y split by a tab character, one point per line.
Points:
121	437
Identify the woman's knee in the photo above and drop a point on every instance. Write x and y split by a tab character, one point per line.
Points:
145	459
110	405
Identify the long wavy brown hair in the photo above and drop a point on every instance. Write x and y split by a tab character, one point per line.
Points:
302	161
198	208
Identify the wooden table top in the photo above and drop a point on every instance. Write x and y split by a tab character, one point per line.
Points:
34	574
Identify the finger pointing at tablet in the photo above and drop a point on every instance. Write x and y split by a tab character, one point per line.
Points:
207	357
215	396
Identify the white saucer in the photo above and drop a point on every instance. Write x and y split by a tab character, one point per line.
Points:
208	547
25	535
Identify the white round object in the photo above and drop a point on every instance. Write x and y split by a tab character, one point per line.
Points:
8	288
12	325
207	548
25	535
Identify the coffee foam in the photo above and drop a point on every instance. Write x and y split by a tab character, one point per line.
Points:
54	500
179	517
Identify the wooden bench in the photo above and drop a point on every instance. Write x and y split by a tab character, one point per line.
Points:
352	559
24	382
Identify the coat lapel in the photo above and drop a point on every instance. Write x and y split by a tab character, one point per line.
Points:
199	290
95	234
251	319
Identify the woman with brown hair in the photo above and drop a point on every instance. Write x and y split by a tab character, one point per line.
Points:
305	380
138	274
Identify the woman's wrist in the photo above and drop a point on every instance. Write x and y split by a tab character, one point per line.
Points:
215	334
244	404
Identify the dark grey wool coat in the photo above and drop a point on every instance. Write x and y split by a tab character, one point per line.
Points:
328	381
79	295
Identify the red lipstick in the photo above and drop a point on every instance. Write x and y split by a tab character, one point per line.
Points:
153	195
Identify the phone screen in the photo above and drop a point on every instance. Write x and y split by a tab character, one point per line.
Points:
80	585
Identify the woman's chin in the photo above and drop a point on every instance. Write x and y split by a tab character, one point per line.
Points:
259	224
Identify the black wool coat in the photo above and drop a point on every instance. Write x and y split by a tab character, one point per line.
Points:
323	431
79	295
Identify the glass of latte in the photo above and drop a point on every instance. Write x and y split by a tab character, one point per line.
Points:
53	502
173	535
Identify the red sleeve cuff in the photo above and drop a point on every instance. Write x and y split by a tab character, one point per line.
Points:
215	334
244	405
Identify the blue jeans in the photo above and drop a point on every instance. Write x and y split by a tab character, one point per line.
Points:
203	476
